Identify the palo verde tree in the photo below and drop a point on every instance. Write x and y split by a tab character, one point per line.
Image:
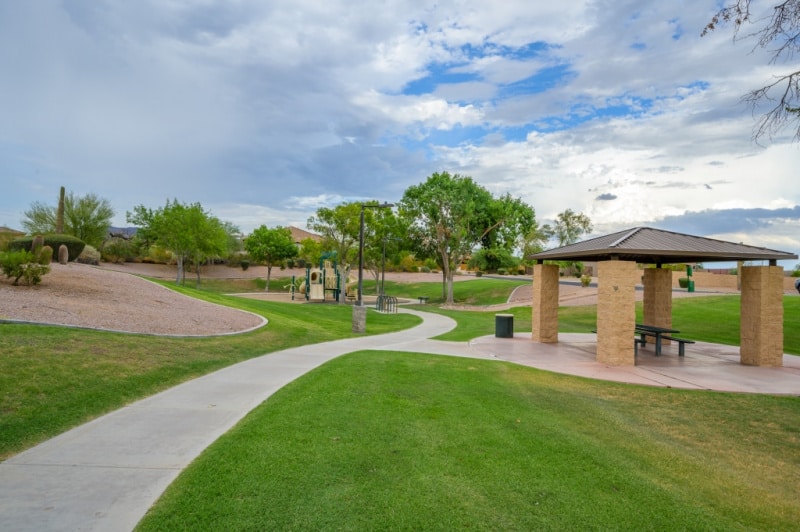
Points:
777	29
187	231
448	216
271	246
85	217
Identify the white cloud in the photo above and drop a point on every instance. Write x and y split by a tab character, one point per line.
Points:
265	111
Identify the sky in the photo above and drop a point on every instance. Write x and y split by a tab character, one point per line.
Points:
263	111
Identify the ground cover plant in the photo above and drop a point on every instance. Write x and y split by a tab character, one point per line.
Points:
54	378
401	441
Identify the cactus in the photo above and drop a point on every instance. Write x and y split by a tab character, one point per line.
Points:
60	213
63	254
36	245
45	256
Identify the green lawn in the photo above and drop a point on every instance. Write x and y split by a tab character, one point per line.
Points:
54	378
399	441
408	441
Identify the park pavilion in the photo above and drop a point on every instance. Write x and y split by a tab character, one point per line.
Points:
617	256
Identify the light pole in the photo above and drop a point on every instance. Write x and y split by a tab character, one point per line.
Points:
359	312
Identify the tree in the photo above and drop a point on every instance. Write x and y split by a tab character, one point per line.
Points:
270	246
448	216
570	226
535	240
778	31
86	217
187	231
339	227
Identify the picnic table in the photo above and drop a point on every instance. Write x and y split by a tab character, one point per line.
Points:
660	333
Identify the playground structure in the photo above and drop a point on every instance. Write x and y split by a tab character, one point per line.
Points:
329	279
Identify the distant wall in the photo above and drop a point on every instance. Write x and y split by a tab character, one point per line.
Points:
720	280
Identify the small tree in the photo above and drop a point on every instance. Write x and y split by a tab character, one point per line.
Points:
271	246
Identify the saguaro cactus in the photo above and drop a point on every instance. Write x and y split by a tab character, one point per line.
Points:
60	213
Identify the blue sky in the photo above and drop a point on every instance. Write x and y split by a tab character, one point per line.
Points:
265	111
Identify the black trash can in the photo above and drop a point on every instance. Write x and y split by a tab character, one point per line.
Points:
504	325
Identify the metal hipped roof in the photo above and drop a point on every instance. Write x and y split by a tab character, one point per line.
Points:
655	246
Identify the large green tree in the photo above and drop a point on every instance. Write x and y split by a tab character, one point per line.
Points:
271	246
775	26
186	230
86	217
450	215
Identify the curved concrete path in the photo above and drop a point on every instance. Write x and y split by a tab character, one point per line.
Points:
106	474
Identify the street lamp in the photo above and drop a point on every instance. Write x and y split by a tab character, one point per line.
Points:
359	313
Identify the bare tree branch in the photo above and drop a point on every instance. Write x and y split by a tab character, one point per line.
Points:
779	33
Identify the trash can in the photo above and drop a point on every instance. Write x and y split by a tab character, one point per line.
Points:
691	286
504	325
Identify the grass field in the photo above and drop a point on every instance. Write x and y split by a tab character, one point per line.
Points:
399	441
384	440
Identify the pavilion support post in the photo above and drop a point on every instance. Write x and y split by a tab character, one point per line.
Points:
762	316
657	304
616	312
544	311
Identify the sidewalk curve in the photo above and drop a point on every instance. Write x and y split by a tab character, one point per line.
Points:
105	474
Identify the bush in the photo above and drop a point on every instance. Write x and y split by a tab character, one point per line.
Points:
117	249
425	269
244	264
74	245
23	264
502	271
90	255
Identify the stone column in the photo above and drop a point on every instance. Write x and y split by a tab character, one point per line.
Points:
544	310
616	312
359	318
657	304
762	316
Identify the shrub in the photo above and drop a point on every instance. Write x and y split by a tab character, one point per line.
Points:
244	264
502	271
425	269
74	245
90	255
22	264
117	250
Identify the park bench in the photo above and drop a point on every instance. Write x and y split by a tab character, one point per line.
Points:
423	300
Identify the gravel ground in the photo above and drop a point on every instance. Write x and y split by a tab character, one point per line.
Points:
88	296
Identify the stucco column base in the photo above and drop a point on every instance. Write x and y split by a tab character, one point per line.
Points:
762	316
544	309
616	312
657	303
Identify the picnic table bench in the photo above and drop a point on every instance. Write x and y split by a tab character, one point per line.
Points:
659	333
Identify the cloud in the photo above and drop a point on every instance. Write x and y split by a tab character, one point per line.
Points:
606	197
264	113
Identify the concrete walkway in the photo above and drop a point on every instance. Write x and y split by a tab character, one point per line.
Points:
104	475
